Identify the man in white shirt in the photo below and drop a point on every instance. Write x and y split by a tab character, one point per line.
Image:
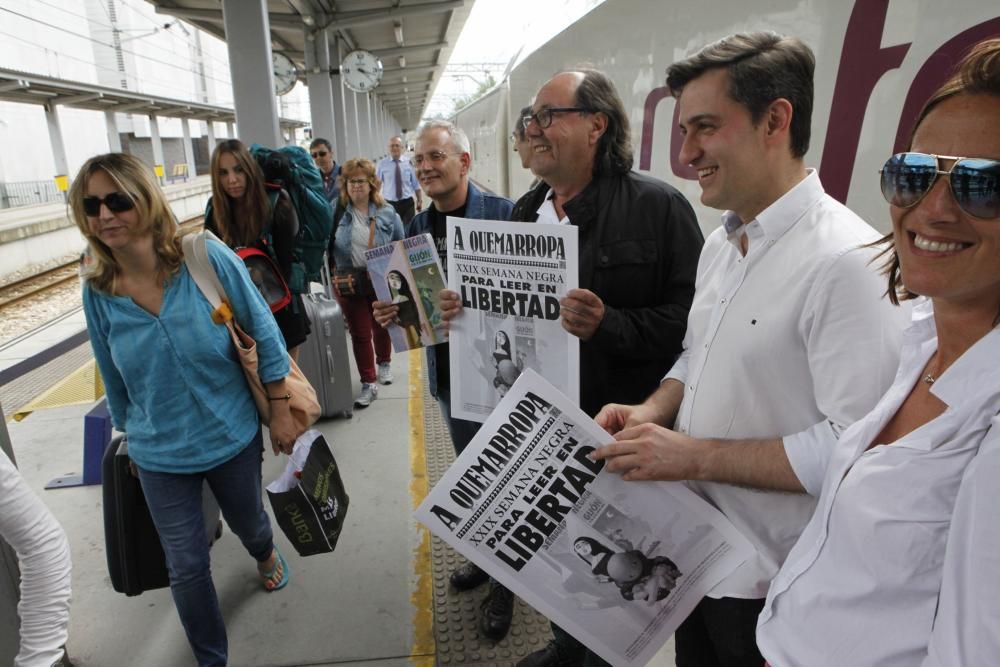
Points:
788	336
399	182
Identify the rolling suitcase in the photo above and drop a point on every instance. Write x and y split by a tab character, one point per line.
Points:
135	558
323	357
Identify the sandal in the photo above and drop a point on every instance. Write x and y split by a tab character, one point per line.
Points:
268	577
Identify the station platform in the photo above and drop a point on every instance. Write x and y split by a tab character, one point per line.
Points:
38	235
381	599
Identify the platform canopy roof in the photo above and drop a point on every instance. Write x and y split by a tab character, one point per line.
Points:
27	88
413	38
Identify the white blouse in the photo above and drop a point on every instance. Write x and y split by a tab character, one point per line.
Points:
43	554
860	587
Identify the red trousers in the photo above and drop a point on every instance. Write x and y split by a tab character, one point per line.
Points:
364	332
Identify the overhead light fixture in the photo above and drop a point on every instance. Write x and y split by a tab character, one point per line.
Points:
308	19
397	30
402	61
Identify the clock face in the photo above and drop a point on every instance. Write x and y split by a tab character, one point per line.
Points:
361	71
285	74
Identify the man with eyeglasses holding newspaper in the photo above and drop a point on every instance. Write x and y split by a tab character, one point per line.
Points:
442	161
639	243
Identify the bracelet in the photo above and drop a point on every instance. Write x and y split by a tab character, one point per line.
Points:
286	397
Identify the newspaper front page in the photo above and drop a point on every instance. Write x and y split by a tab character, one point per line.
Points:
617	564
510	276
408	274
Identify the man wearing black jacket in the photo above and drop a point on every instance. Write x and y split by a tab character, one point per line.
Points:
639	244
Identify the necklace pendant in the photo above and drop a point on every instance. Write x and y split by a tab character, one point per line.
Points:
929	379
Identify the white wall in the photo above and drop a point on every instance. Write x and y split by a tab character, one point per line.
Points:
158	61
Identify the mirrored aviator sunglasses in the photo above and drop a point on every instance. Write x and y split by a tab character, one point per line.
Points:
974	182
117	202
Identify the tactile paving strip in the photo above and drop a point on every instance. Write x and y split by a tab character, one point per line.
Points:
456	613
19	392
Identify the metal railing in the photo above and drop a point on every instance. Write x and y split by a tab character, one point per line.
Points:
26	193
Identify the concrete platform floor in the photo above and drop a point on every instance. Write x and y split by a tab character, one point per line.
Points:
380	600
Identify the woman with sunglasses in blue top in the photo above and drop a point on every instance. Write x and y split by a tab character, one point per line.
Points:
898	564
174	384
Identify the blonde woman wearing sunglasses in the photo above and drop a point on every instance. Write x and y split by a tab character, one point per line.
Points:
898	564
174	384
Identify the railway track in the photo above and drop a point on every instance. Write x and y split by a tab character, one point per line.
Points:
37	287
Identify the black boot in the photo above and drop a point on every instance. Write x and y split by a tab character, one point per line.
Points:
468	577
495	612
550	656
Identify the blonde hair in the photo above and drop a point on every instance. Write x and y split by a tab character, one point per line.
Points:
247	230
367	167
134	179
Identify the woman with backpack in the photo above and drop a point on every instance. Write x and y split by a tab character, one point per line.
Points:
245	212
361	221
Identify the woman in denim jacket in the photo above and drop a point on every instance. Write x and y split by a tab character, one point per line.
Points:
363	220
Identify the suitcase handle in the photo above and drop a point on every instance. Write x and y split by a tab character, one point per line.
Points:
330	366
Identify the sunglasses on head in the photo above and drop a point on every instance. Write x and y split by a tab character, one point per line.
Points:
317	154
974	182
117	202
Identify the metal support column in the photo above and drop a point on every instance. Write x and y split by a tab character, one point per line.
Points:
188	148
248	38
369	126
320	85
230	130
114	139
340	145
210	134
58	147
351	125
154	136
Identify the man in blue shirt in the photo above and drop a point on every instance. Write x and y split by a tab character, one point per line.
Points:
399	182
442	162
322	155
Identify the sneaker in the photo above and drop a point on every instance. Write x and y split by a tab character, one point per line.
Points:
385	373
369	392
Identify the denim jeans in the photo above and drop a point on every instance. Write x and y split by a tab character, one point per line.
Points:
175	504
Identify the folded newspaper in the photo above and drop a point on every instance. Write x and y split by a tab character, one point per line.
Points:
408	274
617	564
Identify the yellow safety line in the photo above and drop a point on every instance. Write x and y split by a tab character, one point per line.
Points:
423	653
84	385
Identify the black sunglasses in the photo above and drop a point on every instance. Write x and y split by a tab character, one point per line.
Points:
117	202
319	154
974	182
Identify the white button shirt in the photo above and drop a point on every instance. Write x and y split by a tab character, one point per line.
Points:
547	213
793	340
967	627
861	585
